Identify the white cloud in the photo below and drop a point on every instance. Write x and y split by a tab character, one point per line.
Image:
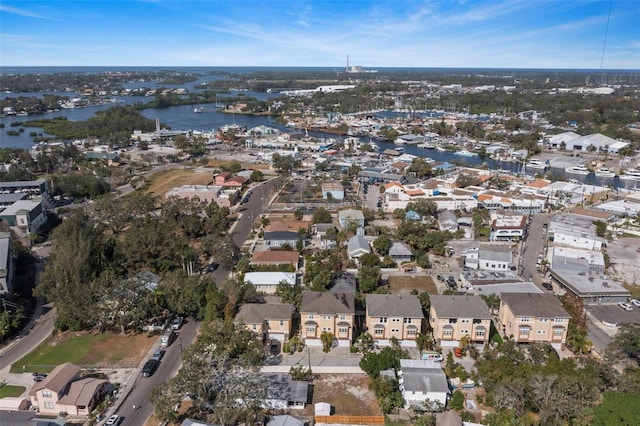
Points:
23	12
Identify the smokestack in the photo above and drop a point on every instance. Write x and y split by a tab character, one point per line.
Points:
347	69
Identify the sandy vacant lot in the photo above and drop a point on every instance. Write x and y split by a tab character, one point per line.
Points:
349	394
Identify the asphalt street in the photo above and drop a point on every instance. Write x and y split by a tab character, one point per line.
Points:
139	392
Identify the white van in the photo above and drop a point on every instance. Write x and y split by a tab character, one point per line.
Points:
432	356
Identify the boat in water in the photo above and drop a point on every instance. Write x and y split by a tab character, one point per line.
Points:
535	164
604	172
577	170
631	174
465	153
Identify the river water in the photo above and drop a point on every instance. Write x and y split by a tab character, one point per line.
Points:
183	118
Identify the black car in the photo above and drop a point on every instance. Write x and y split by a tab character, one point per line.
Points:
149	368
547	285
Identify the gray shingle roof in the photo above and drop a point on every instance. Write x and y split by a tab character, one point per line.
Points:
320	302
534	305
460	307
256	313
400	249
392	305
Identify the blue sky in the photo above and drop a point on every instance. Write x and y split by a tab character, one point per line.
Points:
397	33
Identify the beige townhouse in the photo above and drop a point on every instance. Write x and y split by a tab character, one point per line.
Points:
327	312
454	317
394	316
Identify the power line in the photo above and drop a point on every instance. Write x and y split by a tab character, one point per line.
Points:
604	44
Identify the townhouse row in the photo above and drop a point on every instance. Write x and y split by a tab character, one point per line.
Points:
523	317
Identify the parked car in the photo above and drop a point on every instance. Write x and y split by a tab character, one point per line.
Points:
113	420
158	354
627	307
457	351
547	285
39	377
149	368
635	302
177	323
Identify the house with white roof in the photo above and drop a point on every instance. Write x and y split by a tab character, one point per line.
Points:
488	257
266	282
423	384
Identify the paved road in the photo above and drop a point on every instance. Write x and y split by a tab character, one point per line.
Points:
37	330
35	333
258	204
533	246
140	392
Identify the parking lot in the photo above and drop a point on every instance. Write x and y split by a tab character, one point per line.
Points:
613	314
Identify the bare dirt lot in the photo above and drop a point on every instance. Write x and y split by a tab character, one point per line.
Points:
403	284
349	394
163	181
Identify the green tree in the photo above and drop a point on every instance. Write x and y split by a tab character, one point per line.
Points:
321	215
382	244
626	343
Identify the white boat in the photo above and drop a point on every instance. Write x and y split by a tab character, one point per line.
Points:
198	110
604	172
440	148
465	153
536	164
631	174
577	170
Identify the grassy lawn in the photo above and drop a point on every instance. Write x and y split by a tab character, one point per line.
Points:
84	349
404	284
162	182
9	391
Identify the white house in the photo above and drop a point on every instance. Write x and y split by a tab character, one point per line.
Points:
267	282
284	393
357	246
423	383
488	257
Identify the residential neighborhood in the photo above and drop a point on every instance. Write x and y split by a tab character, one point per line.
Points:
259	274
